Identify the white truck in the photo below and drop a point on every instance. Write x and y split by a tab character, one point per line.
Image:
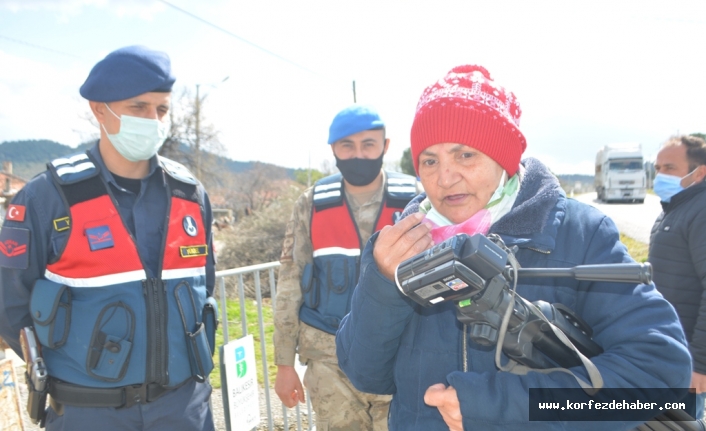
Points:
620	174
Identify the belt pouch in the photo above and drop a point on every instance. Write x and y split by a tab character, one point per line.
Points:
50	306
197	342
210	321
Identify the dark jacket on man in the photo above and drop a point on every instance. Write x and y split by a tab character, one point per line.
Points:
678	256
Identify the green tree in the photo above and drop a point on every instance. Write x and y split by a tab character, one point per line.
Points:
302	176
699	135
406	164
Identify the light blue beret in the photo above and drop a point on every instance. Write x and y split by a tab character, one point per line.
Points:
352	120
128	72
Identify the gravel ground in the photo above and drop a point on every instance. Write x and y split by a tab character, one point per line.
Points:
277	419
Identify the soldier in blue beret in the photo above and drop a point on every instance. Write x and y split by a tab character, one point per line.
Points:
107	255
330	225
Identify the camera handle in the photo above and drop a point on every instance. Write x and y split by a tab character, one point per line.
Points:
535	336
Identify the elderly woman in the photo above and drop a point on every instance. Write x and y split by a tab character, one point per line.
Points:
466	148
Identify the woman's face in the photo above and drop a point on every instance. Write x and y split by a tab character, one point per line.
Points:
459	180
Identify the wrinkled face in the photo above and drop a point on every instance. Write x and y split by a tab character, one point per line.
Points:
368	144
459	180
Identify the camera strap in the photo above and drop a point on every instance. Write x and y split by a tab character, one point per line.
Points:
516	368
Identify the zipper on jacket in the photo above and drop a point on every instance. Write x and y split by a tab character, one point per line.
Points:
464	343
539	251
160	291
155	307
155	292
150	372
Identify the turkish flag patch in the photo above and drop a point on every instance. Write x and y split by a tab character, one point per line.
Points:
16	213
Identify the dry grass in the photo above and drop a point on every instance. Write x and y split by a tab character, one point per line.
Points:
638	250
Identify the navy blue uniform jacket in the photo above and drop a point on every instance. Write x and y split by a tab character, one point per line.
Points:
143	215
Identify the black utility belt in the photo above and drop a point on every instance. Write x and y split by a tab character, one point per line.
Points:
123	397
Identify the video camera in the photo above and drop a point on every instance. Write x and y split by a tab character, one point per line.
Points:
477	272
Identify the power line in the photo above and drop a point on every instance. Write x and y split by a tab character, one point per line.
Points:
254	45
39	47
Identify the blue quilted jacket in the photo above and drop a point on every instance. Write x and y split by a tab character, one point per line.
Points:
388	344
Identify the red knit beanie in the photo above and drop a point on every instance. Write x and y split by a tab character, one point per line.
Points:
468	107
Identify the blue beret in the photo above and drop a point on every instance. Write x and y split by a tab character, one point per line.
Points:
128	72
352	120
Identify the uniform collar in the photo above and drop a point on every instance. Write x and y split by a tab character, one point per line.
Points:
95	154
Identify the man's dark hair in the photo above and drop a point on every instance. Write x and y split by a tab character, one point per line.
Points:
695	149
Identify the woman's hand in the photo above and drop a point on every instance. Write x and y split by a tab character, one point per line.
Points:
446	400
397	243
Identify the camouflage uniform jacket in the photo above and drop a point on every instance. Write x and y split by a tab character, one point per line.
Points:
291	336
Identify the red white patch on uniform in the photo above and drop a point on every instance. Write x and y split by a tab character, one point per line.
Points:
11	248
16	213
14	245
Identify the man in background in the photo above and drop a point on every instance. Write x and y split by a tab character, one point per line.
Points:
678	245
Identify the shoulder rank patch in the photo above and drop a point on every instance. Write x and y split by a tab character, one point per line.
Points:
14	247
62	224
193	250
177	171
16	213
99	238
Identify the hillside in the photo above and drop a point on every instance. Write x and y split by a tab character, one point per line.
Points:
29	157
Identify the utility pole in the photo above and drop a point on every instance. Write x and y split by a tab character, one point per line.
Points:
197	125
197	129
354	99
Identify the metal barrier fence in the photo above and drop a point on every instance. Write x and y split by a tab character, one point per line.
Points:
240	273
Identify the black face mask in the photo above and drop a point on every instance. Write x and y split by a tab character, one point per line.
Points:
360	172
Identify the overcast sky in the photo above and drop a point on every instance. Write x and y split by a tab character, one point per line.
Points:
586	73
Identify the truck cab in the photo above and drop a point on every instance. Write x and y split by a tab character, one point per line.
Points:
620	174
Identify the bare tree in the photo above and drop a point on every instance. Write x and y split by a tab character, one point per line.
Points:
258	239
193	140
248	192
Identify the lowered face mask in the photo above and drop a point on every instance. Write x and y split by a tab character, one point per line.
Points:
138	138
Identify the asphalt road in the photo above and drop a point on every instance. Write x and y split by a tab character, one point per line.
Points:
633	220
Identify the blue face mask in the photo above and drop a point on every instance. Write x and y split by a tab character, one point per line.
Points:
666	186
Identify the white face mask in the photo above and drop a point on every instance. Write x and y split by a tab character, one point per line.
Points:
138	138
